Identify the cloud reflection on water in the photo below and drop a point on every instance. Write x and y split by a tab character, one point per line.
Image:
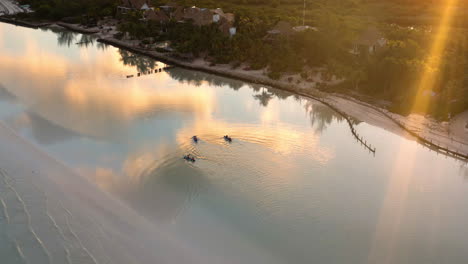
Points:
87	97
86	94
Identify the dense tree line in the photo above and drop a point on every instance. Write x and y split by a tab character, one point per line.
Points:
58	9
395	73
282	54
391	74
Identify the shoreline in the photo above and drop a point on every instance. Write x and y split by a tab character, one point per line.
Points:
431	134
76	28
243	77
314	94
23	23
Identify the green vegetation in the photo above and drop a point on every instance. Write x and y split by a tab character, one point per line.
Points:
395	73
392	74
282	54
417	12
59	9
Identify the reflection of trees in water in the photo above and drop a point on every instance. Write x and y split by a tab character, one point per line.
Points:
143	64
269	93
68	38
101	46
320	115
85	41
264	97
257	88
281	94
197	78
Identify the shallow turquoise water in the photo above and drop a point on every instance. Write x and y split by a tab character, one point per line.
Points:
293	186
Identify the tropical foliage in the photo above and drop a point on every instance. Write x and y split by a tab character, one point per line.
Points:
392	74
58	9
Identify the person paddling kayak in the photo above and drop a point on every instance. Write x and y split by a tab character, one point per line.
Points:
189	158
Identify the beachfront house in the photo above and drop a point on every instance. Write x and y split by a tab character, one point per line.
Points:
225	21
369	41
174	11
178	14
145	7
156	15
199	16
217	14
227	28
169	8
204	16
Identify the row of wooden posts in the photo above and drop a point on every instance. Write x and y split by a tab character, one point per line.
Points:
433	146
446	152
351	126
457	154
360	139
150	71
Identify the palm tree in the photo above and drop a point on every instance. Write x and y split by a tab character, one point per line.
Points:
264	98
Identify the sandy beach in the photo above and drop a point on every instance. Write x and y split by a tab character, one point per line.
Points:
452	136
92	170
449	136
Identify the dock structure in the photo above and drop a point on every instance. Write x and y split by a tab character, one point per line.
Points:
287	87
431	145
360	139
152	71
456	154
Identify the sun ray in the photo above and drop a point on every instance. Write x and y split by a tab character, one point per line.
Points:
429	77
392	213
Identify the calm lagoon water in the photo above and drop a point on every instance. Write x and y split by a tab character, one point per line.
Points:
293	186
